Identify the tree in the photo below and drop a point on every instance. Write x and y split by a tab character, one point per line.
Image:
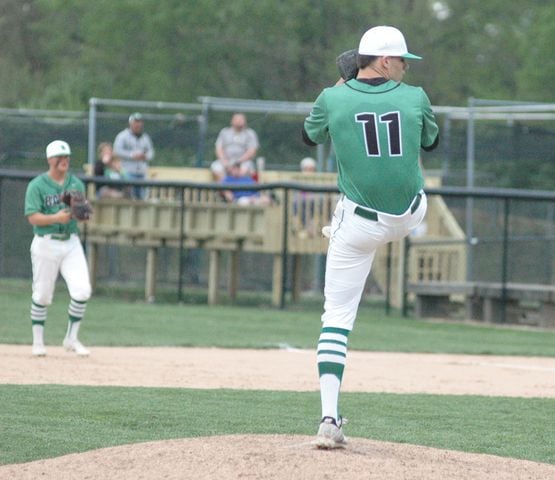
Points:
537	50
62	52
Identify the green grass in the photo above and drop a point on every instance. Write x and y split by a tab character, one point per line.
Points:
110	321
48	421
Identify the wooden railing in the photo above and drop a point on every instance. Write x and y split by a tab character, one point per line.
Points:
291	225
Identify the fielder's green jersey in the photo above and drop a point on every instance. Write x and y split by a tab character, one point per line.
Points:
377	132
43	195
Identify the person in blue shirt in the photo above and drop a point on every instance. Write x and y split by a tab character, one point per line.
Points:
242	197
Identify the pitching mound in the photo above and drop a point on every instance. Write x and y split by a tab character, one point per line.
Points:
274	457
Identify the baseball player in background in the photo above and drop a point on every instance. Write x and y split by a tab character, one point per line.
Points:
377	125
56	248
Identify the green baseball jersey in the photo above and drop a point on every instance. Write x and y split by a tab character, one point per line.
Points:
44	195
377	132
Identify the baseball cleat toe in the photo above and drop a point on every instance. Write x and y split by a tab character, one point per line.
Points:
330	434
77	347
38	351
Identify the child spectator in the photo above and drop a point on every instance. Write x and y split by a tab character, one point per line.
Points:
109	166
236	176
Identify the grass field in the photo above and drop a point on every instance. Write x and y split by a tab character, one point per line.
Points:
111	322
46	421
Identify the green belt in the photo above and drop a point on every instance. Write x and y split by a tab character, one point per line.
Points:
368	214
56	236
372	215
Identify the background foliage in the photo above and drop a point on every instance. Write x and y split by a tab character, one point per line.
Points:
62	52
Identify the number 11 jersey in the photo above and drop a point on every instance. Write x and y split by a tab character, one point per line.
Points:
377	131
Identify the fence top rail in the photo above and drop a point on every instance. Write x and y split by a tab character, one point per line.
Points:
32	112
500	193
93	102
256	106
475	192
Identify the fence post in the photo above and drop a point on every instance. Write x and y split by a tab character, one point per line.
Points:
92	134
388	279
181	192
504	260
284	247
403	266
203	129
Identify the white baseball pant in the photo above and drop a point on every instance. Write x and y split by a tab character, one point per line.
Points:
353	244
51	257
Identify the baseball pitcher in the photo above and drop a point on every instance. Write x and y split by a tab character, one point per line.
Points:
377	125
54	203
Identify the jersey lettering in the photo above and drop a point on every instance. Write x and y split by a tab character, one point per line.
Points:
370	127
51	200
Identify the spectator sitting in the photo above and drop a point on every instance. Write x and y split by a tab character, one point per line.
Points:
236	143
104	152
243	197
308	165
304	203
218	171
109	166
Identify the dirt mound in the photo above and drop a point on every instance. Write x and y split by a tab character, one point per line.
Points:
276	457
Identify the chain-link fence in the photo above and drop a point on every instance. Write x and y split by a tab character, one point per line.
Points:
510	146
506	146
513	241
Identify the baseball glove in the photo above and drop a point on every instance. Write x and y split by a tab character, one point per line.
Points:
80	207
347	64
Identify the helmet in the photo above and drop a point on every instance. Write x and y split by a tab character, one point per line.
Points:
57	148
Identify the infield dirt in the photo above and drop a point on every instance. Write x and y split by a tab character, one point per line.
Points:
278	456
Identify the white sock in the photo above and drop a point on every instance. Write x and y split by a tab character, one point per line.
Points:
329	395
76	312
38	317
38	334
72	330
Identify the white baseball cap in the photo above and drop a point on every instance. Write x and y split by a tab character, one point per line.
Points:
384	41
57	148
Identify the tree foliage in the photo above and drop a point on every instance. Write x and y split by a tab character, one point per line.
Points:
62	52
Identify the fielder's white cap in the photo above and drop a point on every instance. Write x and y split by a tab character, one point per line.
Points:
384	41
57	148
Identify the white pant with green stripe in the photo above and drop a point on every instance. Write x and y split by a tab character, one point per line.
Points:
53	257
353	244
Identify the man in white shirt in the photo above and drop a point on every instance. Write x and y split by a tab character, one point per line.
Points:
236	144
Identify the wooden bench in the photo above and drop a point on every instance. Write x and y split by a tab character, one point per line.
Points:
439	299
521	303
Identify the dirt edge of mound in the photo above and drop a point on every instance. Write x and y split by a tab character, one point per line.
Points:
279	457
